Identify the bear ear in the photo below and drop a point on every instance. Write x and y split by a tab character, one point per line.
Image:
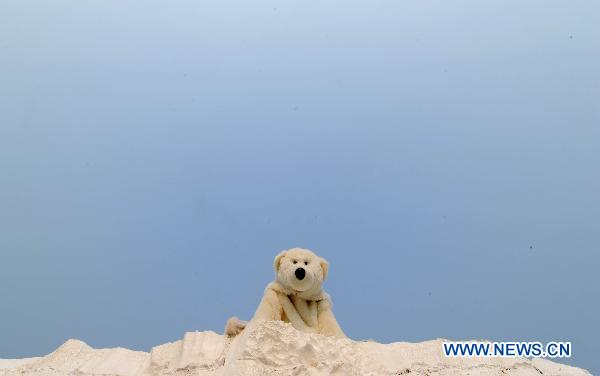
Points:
277	260
324	266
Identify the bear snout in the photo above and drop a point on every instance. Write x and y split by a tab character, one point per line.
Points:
300	273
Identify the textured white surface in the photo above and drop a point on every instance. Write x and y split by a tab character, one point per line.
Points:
275	348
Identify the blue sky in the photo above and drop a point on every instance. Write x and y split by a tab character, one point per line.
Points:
443	156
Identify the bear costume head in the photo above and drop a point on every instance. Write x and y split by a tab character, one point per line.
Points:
301	271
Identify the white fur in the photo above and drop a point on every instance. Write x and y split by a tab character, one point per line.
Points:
302	303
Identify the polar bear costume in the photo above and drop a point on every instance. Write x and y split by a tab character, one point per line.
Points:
296	296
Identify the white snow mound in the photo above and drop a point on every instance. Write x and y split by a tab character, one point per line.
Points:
275	348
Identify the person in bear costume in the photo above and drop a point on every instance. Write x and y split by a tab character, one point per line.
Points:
296	296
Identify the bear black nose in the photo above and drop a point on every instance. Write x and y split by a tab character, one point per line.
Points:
300	273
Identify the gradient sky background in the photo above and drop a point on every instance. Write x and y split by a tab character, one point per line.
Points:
443	156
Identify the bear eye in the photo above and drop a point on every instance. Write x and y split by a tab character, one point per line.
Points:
305	262
295	261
